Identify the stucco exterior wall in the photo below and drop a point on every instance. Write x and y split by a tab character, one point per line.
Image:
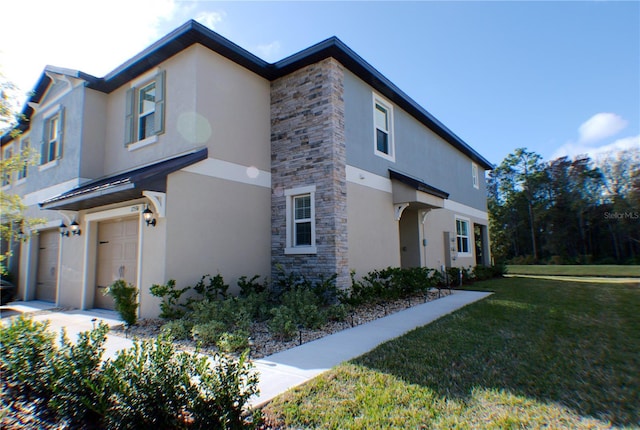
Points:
372	230
216	226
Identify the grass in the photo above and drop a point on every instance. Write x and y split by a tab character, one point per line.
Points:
575	270
537	353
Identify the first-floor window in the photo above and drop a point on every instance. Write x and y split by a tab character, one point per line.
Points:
462	236
300	220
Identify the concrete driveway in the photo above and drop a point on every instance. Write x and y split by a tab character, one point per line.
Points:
73	321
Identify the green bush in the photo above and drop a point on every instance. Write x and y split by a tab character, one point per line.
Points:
80	391
282	323
208	333
305	307
26	352
125	298
250	286
170	307
214	289
147	386
233	342
178	329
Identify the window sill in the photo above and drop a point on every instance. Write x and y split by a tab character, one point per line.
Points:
48	165
5	187
385	156
142	143
21	181
465	255
300	250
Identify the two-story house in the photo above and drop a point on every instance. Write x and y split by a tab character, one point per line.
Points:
198	157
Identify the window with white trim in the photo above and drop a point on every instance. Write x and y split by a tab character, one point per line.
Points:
24	149
6	175
300	220
462	236
383	128
144	110
51	147
474	175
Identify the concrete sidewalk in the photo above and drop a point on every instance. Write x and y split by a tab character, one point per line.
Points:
283	370
287	369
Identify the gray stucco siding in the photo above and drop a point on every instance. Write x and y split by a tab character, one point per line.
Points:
419	152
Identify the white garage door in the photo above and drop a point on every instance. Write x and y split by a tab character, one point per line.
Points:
117	257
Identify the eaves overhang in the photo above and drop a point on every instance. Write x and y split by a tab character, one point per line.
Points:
193	32
123	186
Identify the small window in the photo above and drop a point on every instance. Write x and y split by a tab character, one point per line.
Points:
6	175
52	138
24	150
462	236
300	220
383	128
145	110
474	175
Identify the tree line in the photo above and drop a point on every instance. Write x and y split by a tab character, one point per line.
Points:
565	211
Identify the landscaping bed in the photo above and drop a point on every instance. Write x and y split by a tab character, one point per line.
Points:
264	342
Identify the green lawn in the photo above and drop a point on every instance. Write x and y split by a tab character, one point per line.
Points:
537	353
575	270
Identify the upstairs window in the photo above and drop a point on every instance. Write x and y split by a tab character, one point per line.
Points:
145	109
6	175
51	148
462	236
383	128
474	176
24	149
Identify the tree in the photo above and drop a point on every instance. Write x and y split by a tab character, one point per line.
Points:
14	225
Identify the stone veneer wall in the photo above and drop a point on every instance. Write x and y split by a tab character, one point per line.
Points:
308	148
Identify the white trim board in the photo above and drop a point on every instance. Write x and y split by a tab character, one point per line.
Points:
368	179
465	210
231	171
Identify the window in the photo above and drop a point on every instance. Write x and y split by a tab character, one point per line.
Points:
52	137
462	236
145	110
6	175
300	220
474	175
383	128
24	150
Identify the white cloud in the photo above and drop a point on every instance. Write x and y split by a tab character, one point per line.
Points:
573	149
269	51
210	19
600	126
72	34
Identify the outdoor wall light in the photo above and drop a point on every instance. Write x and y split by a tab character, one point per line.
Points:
64	230
148	217
75	228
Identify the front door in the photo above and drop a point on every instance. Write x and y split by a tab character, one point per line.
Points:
117	257
47	277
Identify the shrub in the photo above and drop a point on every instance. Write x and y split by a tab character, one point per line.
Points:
208	333
224	390
151	386
80	392
304	306
178	329
214	289
170	307
249	287
233	342
26	352
282	323
230	311
336	312
125	296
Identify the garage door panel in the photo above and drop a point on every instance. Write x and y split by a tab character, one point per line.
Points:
117	256
47	275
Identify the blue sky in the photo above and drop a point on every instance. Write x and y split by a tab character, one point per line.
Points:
555	77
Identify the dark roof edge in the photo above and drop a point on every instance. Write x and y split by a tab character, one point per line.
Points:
418	184
334	47
193	32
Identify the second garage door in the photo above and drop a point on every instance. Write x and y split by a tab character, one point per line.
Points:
117	257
